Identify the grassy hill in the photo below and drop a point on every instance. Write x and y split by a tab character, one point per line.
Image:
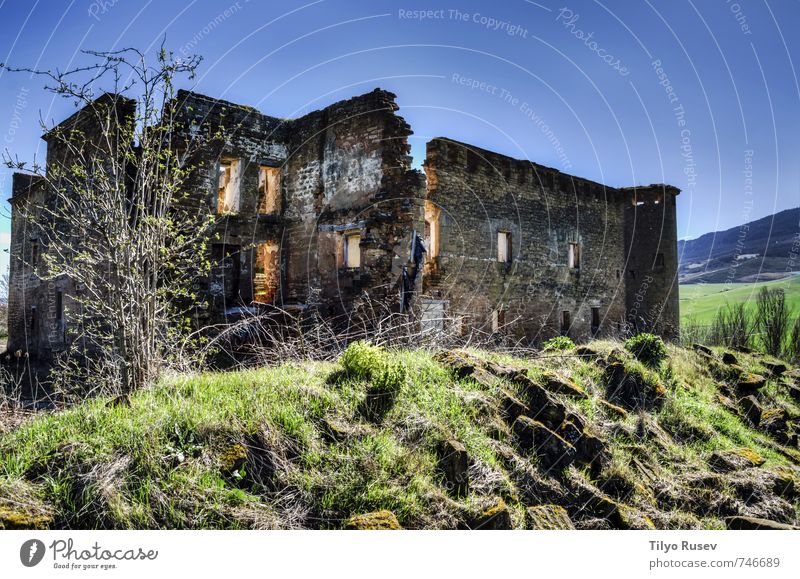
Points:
469	439
756	251
701	301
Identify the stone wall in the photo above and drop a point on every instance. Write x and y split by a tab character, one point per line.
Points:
651	268
480	193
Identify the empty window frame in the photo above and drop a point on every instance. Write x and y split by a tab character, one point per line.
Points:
432	215
269	190
574	256
266	272
226	270
34	254
228	186
59	305
352	249
504	246
595	320
566	322
498	320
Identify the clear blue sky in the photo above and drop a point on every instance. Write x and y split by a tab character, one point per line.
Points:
569	84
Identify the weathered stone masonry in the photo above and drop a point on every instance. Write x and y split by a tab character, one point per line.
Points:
321	214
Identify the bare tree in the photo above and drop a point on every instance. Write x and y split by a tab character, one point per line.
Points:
115	218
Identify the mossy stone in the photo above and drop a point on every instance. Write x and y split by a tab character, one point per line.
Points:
558	384
378	521
232	458
12	519
495	518
751	383
736	459
617	412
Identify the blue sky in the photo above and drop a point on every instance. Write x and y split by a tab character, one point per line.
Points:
700	94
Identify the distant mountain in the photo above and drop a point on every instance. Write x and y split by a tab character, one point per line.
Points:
758	251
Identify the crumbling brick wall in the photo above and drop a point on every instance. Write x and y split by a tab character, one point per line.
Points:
480	193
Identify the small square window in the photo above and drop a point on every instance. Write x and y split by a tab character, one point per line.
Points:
504	247
352	250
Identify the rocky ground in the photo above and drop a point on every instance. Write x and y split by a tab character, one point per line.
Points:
586	438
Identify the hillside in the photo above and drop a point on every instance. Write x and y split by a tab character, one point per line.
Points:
467	439
758	251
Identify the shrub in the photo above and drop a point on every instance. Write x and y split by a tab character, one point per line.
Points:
794	342
647	348
390	377
363	360
559	343
732	327
772	319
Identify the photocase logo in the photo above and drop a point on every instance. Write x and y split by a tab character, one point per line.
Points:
31	553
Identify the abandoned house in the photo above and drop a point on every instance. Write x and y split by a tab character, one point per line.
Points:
324	213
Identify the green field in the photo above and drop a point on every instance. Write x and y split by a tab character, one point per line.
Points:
701	301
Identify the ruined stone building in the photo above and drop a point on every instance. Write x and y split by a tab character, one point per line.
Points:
325	213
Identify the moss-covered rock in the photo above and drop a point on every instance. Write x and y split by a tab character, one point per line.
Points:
551	450
558	384
775	422
454	464
703	350
793	391
496	518
751	409
628	518
775	368
749	383
786	482
232	458
727	403
12	519
511	406
729	358
548	518
587	353
736	459
377	521
616	412
632	389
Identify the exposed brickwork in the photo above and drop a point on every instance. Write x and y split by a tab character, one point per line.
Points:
346	170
